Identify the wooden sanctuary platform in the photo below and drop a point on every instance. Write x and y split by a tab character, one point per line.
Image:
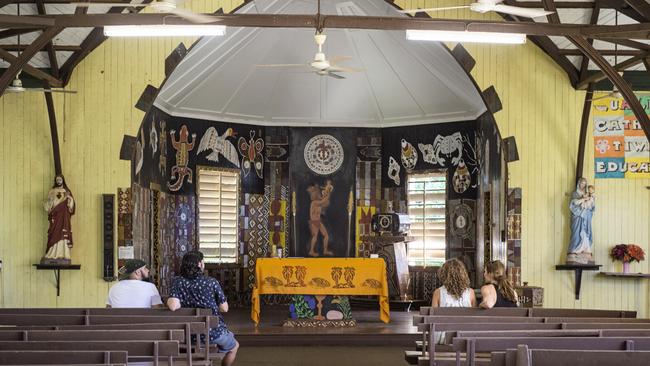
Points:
370	331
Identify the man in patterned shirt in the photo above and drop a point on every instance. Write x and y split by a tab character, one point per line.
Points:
194	290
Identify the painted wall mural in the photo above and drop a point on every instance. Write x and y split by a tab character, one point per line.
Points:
450	146
322	169
621	148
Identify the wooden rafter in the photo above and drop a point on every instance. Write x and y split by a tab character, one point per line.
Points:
56	154
617	80
640	30
598	76
641	7
37	73
628	43
584	64
14	32
15	67
576	52
57	47
49	47
584	123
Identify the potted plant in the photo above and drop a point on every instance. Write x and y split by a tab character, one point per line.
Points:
627	253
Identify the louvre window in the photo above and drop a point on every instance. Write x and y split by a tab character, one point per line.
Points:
426	208
218	195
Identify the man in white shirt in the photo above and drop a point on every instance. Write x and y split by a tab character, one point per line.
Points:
133	291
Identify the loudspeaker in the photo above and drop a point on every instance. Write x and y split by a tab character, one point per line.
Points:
128	144
108	242
510	148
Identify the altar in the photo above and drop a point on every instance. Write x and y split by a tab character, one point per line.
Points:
321	276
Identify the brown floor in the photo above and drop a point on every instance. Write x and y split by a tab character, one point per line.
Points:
370	331
321	356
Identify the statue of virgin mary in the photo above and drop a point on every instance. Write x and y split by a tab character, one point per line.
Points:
582	206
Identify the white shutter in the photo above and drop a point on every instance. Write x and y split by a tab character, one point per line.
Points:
218	194
426	208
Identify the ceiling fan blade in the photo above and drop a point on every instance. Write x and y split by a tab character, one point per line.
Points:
335	76
116	5
283	65
194	17
413	11
522	12
344	69
336	59
39	90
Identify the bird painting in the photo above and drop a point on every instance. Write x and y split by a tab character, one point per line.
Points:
219	146
139	153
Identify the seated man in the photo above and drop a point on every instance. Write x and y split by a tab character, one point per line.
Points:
194	290
133	291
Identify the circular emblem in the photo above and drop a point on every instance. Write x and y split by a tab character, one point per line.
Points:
461	221
324	154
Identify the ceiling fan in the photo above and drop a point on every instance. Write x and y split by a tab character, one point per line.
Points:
321	65
159	6
484	6
17	87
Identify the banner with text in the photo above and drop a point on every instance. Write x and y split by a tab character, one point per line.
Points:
621	148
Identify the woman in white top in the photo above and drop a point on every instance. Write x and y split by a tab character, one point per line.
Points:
455	291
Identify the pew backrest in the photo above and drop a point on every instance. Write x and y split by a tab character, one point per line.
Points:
156	349
489	344
106	311
528	312
62	357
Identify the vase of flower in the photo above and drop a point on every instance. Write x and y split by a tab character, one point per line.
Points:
627	253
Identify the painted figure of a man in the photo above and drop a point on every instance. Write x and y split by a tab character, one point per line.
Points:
60	207
320	199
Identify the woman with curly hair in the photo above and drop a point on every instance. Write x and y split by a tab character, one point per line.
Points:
455	291
498	291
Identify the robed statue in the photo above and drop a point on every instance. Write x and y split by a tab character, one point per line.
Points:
60	208
582	206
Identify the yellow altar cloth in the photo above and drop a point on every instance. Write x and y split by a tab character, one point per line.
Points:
321	276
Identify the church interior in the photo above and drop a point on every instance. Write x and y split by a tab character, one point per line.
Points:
350	182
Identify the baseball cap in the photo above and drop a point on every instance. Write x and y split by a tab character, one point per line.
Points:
130	266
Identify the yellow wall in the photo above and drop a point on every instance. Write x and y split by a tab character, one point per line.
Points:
91	125
540	109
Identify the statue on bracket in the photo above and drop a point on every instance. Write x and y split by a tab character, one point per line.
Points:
582	206
60	207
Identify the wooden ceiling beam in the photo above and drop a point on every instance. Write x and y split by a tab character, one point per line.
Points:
577	52
617	80
37	73
57	47
7	33
584	63
596	77
641	7
357	22
40	42
628	43
623	7
49	47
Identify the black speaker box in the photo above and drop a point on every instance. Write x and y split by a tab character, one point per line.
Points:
510	148
108	237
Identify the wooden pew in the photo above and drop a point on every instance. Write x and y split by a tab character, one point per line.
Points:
136	350
62	357
106	311
471	346
528	312
523	356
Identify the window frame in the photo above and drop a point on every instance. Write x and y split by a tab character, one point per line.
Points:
443	172
237	172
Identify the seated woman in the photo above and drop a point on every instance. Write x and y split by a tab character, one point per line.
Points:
498	291
455	291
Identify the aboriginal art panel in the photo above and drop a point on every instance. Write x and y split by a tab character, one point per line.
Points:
322	164
449	146
125	249
168	150
513	234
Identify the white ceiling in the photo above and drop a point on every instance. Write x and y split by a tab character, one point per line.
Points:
401	83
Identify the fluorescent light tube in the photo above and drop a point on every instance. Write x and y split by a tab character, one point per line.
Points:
457	36
163	30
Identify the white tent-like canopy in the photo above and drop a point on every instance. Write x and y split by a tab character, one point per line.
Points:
400	82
